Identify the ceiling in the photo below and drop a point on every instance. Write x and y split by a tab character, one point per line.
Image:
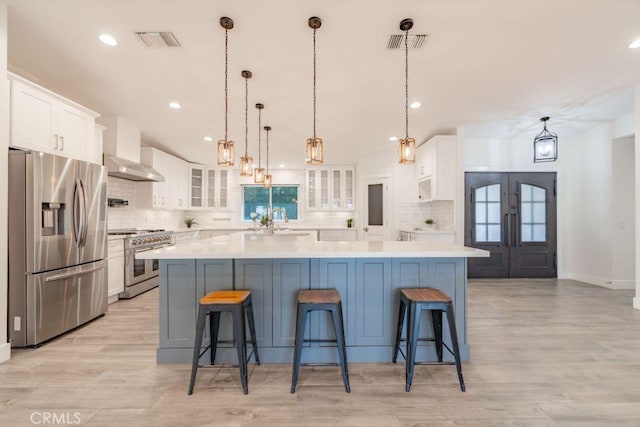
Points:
492	66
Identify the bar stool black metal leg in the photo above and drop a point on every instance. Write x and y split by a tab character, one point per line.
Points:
401	313
436	318
214	327
301	321
412	342
252	330
454	341
338	327
202	316
241	346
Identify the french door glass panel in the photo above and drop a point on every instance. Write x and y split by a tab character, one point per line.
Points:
488	224
533	207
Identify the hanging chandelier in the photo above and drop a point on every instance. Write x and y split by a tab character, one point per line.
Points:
545	145
225	147
258	173
314	144
246	162
406	146
267	176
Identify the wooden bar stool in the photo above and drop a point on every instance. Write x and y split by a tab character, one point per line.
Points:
237	303
436	302
326	300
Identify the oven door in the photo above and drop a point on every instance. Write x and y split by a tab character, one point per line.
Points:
139	270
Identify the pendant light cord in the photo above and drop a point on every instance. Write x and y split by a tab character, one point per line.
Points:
267	152
226	78
314	85
246	117
406	85
259	138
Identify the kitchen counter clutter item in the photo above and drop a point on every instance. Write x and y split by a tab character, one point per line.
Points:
249	244
57	245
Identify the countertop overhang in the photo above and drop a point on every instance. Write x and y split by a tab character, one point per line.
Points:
254	245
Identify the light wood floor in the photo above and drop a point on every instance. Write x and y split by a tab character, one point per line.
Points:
544	352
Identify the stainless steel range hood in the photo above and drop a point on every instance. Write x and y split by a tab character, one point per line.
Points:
126	169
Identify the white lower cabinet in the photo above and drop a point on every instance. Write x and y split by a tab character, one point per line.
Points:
115	268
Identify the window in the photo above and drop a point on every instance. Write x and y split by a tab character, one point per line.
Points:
256	200
534	213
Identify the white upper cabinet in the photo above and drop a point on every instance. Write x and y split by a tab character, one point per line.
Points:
173	193
208	187
435	168
331	188
44	121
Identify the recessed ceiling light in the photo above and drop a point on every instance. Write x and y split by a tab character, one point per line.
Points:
175	105
393	138
282	165
635	44
415	104
108	39
208	138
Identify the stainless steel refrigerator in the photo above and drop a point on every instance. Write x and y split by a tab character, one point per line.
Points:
57	245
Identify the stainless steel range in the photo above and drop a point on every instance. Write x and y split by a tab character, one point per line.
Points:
141	275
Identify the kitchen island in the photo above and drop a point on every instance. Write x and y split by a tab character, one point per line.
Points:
275	267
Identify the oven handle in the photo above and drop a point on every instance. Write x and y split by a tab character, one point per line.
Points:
135	251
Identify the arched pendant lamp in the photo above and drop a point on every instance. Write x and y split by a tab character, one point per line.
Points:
225	147
258	173
315	150
246	162
406	146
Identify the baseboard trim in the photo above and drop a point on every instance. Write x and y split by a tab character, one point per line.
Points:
624	284
603	282
636	303
5	352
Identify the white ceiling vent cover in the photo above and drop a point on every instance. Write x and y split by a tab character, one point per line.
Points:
396	41
158	38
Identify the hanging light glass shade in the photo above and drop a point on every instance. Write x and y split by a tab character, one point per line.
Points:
267	177
258	173
246	162
226	147
315	150
545	145
406	145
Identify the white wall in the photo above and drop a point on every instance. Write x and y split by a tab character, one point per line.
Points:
623	213
636	300
4	156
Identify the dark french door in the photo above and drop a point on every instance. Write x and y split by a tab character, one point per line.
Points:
513	216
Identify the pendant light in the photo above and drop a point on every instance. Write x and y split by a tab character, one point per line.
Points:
246	162
267	176
545	145
258	173
407	146
225	147
314	145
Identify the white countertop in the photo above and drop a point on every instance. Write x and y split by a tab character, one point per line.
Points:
294	245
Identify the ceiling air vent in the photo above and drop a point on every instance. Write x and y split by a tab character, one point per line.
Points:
158	38
396	41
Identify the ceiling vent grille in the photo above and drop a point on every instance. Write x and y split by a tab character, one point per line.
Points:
396	41
158	38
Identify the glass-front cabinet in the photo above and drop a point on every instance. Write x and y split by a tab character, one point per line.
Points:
208	187
331	188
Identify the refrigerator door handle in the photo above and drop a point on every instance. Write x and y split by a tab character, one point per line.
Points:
85	215
77	273
77	214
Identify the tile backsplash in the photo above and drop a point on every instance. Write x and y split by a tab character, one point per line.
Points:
413	215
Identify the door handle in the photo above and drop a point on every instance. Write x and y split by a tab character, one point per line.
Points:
515	229
366	229
55	141
506	229
85	214
77	214
62	143
77	273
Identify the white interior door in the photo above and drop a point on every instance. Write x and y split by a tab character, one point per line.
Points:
376	209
